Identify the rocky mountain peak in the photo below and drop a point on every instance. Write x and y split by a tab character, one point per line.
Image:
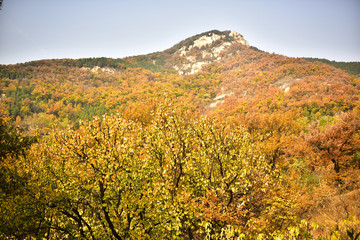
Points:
238	38
204	48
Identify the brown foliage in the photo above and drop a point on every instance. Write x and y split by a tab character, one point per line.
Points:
338	145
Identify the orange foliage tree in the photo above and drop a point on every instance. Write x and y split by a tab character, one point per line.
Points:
338	144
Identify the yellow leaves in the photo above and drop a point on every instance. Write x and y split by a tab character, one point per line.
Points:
168	175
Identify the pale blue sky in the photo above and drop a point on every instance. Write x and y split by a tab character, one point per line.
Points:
46	29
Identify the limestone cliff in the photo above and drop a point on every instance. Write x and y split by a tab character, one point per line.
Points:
192	53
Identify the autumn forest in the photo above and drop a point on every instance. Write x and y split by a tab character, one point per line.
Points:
210	139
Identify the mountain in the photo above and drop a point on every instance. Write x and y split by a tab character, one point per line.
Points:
247	143
190	55
215	69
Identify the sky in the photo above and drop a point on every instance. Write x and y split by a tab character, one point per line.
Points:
48	29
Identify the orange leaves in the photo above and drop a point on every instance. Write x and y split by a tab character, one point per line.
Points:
337	145
158	168
140	112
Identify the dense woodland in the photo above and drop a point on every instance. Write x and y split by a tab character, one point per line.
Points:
254	146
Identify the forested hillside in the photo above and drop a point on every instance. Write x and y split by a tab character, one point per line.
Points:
353	68
210	139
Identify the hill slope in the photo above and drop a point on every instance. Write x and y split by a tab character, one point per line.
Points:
253	142
212	68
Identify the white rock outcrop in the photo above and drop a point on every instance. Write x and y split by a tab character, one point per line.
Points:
238	38
206	40
97	68
208	55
